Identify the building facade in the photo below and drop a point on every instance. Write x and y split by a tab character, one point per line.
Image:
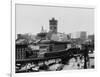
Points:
53	25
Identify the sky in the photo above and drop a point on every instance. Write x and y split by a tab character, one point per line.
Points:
30	19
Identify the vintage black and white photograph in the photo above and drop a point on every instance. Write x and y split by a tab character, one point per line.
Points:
53	38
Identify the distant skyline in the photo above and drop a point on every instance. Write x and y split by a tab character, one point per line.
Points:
30	19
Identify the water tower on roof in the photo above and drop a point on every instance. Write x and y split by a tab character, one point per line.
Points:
53	25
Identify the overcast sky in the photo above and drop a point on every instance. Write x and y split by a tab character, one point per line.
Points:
30	19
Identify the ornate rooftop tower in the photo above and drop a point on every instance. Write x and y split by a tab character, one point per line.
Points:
53	25
42	29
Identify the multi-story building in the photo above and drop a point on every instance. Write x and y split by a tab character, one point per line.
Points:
81	34
59	37
91	37
53	33
78	37
53	25
27	36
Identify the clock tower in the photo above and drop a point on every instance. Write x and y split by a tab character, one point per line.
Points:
53	25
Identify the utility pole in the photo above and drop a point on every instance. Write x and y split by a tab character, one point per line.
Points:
86	57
